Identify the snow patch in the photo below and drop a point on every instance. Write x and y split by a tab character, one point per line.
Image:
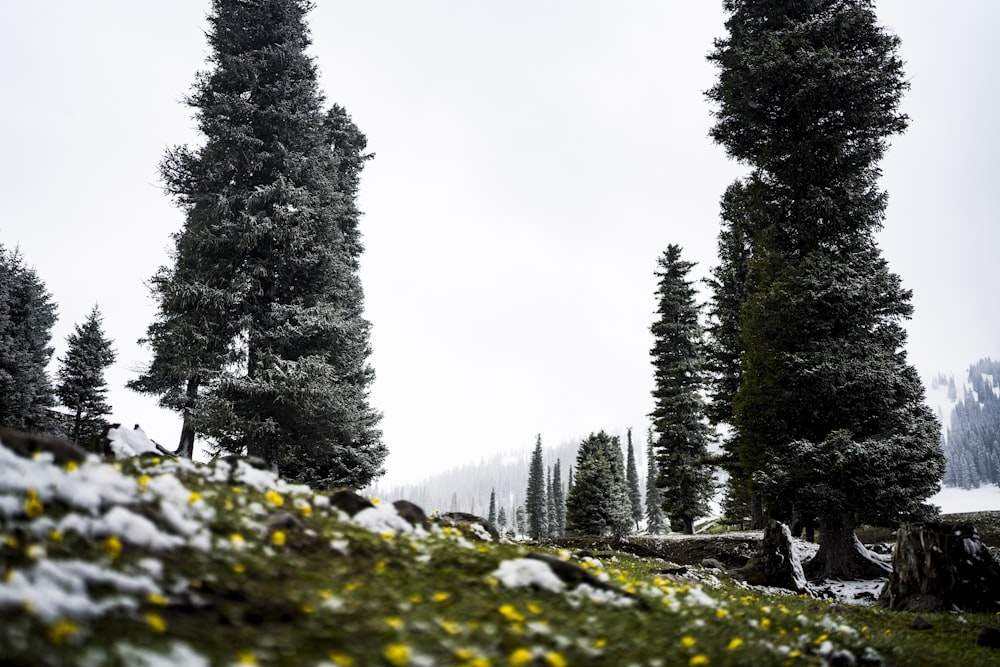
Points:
521	572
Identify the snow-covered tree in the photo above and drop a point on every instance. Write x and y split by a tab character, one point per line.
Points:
598	502
559	501
807	96
492	516
656	522
26	318
260	340
680	429
632	480
80	385
535	498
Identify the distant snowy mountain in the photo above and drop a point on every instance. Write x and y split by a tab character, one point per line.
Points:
969	410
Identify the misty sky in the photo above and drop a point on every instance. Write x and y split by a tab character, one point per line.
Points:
532	161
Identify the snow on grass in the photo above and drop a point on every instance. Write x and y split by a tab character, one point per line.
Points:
952	500
521	572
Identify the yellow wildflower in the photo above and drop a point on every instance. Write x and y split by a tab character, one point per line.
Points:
376	501
822	638
55	535
380	567
511	614
156	623
306	509
33	507
71	466
111	546
479	661
397	654
278	538
239	568
274	498
795	654
735	643
520	657
60	630
555	659
451	627
765	624
687	641
156	599
144	481
441	596
246	658
722	613
600	643
394	622
698	660
194	497
237	541
534	608
340	659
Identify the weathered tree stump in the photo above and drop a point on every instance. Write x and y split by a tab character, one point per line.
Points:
775	562
942	567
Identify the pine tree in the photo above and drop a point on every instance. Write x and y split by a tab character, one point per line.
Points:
807	96
535	499
632	478
26	318
502	520
678	418
260	340
81	386
559	501
520	520
551	523
598	502
493	507
656	523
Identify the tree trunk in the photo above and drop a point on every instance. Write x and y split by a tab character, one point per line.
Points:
758	518
841	555
775	562
185	448
942	567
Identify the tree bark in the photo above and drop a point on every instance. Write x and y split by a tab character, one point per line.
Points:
942	567
758	518
185	448
841	555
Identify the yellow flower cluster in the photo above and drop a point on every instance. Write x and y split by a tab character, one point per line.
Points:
33	506
274	498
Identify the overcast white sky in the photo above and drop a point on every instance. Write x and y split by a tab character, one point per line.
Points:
533	160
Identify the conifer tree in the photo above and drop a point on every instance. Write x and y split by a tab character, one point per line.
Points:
493	507
535	498
559	501
260	340
678	419
81	386
551	524
807	97
502	520
26	318
656	523
632	478
598	502
520	520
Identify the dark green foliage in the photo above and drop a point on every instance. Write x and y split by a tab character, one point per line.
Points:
492	516
807	96
598	504
558	518
632	480
535	503
656	523
972	447
26	318
81	386
260	339
679	426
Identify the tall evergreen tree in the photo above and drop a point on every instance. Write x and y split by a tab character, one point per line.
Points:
260	340
535	499
632	479
559	501
492	517
502	520
807	96
678	419
26	318
81	386
656	523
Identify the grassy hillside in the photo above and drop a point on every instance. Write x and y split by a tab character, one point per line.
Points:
156	562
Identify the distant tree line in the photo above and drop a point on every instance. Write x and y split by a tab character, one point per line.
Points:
972	446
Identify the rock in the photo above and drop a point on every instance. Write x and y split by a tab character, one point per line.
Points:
413	514
988	637
775	562
463	521
921	623
713	564
349	502
28	444
942	567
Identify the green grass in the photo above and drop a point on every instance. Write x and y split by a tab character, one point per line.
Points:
333	592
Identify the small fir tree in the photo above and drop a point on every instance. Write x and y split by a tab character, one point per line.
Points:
81	386
598	502
678	419
26	318
656	523
559	501
502	520
535	499
493	507
632	477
